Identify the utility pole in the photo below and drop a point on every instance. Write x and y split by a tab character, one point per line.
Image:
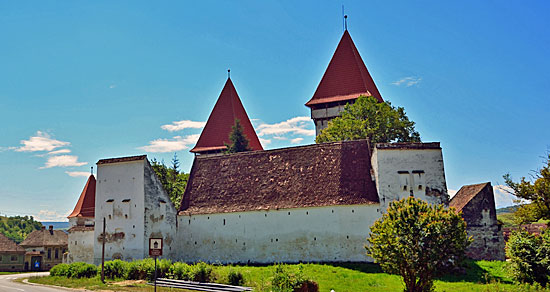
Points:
103	254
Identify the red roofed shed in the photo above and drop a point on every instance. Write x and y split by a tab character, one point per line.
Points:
85	207
218	127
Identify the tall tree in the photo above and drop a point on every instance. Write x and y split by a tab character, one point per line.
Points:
417	241
369	118
239	141
173	181
536	190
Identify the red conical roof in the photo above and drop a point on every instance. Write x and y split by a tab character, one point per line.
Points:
218	127
85	207
346	77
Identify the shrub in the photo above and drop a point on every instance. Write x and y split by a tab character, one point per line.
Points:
418	241
201	272
529	257
180	271
284	281
235	278
115	269
61	270
81	270
141	270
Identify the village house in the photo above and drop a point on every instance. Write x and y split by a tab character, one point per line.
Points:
12	256
312	203
44	248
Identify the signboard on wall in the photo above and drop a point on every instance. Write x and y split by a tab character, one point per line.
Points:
155	247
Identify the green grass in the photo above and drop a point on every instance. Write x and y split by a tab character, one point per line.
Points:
477	276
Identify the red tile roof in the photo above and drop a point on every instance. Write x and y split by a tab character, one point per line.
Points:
8	246
346	77
316	175
121	159
45	237
85	207
218	127
465	195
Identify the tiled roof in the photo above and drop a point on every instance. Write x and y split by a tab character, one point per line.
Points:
306	176
85	207
8	246
121	159
81	228
218	127
346	77
465	195
45	237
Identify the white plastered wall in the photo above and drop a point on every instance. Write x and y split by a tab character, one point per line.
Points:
399	171
120	199
317	234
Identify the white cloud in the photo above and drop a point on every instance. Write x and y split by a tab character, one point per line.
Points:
297	125
280	138
112	86
502	196
78	173
408	81
451	192
265	141
171	145
40	142
63	161
60	151
296	140
52	216
181	125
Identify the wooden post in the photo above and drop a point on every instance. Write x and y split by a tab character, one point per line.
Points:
103	253
155	274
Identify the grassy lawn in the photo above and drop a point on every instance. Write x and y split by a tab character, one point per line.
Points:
479	276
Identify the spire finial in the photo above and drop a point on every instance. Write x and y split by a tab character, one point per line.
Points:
228	73
92	170
345	22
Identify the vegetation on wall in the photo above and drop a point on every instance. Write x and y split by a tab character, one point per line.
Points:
380	122
418	241
17	228
172	179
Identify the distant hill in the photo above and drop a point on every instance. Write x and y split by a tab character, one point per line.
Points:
510	209
57	225
17	228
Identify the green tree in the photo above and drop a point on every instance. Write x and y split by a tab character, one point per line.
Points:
17	228
239	141
380	122
173	181
536	190
529	256
418	241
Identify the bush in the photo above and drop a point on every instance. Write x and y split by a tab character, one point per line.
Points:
115	269
145	269
418	241
180	271
235	278
283	281
61	270
529	257
81	270
201	272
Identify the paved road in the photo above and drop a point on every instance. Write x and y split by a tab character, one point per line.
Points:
7	284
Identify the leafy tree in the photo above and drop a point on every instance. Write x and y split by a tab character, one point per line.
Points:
529	256
173	181
380	122
418	241
239	141
536	190
17	228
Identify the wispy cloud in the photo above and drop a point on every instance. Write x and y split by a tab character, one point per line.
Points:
63	161
265	141
408	81
451	192
297	140
60	151
50	216
181	125
503	197
112	86
78	173
171	145
40	142
297	125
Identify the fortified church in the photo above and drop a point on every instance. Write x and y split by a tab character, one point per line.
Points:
311	203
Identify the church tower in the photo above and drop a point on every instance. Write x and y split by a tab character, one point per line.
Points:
345	79
215	134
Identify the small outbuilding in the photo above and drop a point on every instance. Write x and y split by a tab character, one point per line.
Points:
12	256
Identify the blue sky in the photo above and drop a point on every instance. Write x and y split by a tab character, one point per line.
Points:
85	80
